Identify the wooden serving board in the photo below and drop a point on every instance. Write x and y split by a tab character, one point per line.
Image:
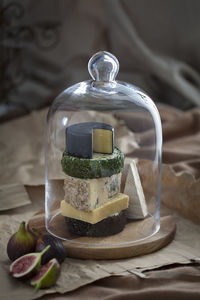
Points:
133	230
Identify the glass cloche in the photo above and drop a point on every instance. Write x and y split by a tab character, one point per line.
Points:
103	160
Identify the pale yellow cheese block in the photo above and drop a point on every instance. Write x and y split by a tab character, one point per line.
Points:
117	203
102	140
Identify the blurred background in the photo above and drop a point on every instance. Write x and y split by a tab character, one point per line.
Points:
45	47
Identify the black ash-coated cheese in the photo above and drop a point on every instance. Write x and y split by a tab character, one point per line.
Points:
109	226
79	141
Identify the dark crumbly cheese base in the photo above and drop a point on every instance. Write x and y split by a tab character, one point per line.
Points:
109	226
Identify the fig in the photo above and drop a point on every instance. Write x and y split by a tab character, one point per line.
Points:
47	276
27	264
20	243
36	233
57	249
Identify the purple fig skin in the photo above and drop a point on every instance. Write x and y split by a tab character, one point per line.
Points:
35	233
20	243
57	249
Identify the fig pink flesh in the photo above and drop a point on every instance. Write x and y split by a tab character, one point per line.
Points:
42	271
23	264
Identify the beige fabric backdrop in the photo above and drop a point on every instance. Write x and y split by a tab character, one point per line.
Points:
45	48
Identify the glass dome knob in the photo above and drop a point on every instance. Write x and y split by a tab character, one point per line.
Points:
103	66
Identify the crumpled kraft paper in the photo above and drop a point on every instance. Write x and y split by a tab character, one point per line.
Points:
76	272
180	192
13	195
22	150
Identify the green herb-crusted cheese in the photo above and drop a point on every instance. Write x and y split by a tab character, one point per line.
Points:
101	165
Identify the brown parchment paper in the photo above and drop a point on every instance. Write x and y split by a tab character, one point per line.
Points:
22	162
13	195
75	272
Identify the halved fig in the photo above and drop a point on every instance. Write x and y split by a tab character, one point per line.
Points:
47	275
27	265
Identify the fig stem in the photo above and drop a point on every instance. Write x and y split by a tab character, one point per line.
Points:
45	249
37	287
22	228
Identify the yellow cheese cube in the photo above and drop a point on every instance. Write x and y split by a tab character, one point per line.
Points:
117	203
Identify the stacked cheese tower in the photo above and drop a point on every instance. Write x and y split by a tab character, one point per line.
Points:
93	204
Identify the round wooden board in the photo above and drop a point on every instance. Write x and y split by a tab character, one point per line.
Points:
155	242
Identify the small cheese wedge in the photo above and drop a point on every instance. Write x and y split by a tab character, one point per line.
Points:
117	203
137	208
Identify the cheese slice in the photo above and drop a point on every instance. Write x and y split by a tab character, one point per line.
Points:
117	203
133	188
88	194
